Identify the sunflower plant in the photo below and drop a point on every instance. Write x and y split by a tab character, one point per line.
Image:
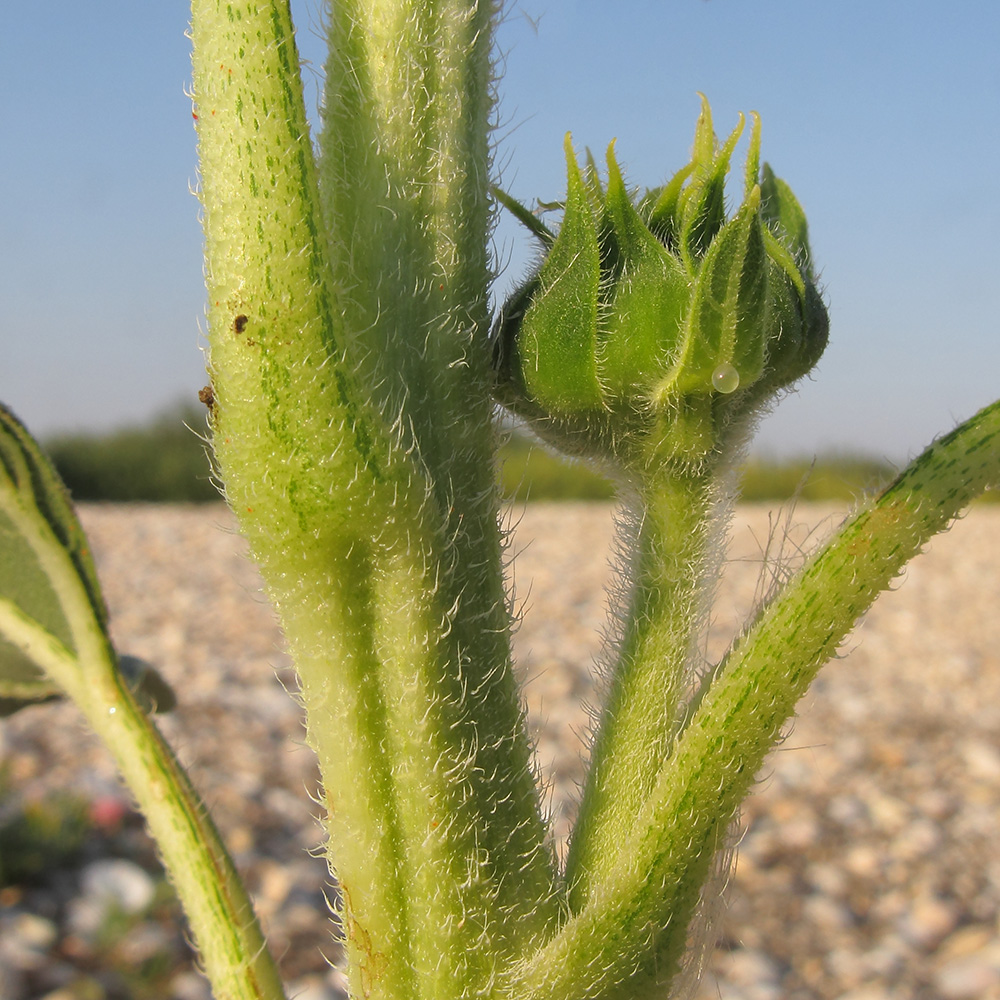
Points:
355	372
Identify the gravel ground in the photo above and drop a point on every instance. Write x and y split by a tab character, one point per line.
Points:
868	866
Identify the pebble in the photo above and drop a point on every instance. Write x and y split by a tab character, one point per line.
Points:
25	939
867	867
108	887
927	922
189	985
315	988
972	976
115	882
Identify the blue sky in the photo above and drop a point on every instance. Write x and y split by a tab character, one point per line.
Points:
884	116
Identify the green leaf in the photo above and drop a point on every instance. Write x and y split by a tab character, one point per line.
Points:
36	517
31	497
146	683
152	692
525	216
665	204
703	201
28	478
24	582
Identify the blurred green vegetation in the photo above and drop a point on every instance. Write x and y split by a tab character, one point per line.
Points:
164	461
826	478
39	836
530	472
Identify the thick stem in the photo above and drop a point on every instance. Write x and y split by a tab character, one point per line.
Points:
388	590
404	176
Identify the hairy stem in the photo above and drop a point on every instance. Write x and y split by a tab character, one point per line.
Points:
627	941
389	591
642	711
404	176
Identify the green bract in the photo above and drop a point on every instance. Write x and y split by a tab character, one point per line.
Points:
653	323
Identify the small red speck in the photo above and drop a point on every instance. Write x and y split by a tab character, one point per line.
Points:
213	111
108	812
194	115
440	288
249	510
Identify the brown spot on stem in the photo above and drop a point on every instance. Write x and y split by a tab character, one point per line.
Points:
207	396
240	323
372	965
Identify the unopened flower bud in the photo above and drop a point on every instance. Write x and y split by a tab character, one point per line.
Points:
650	324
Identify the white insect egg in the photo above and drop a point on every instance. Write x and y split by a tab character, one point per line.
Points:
726	378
